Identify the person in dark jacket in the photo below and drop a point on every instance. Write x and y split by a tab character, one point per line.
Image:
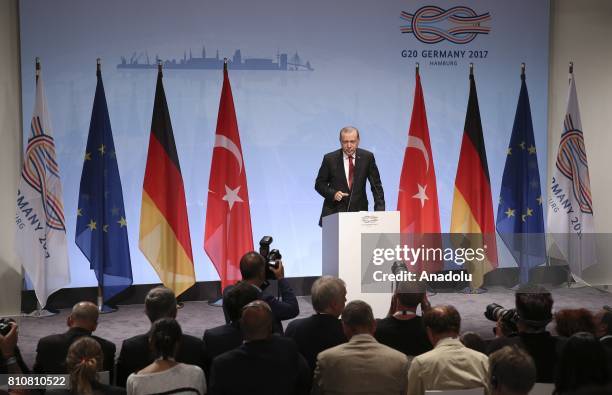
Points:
52	350
135	353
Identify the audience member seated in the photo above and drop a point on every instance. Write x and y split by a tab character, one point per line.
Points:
135	354
570	321
10	356
511	371
403	329
84	361
474	341
253	271
450	365
534	308
362	365
52	350
322	330
165	375
229	336
582	363
603	331
603	327
264	364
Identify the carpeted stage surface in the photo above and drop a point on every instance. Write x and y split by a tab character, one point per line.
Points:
195	317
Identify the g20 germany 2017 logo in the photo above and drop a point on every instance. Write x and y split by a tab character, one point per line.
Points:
431	24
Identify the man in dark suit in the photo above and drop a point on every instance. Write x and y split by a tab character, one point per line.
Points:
229	336
135	354
52	350
322	330
603	331
534	308
265	364
342	177
253	272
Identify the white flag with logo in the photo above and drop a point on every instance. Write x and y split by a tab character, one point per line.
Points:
570	206
40	225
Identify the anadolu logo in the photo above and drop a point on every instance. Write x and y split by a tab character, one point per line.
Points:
431	24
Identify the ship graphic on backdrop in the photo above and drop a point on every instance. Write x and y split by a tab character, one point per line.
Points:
283	62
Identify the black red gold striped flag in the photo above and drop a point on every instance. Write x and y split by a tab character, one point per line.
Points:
164	227
472	212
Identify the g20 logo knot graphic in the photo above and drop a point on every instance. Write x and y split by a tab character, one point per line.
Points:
432	24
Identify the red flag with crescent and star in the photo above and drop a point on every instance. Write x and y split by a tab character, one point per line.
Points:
417	199
228	234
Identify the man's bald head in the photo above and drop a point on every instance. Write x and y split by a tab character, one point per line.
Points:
256	321
84	315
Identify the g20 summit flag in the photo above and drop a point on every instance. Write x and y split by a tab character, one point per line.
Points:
570	206
228	233
164	228
41	228
520	218
101	229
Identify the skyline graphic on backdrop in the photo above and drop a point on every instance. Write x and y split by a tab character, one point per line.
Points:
236	62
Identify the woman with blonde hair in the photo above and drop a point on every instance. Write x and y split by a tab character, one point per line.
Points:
83	362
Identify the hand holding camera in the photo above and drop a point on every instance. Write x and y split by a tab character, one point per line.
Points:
8	338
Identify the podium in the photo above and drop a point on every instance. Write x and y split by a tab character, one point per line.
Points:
341	253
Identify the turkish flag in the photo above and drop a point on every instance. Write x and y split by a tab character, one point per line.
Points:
417	199
228	234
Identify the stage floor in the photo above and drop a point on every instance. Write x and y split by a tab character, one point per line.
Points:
195	317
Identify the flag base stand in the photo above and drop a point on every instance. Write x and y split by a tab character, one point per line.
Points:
473	291
42	313
105	309
216	302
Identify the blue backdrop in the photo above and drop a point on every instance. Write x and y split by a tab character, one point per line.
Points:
361	73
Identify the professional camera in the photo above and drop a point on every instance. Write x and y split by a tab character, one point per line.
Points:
508	318
5	326
272	257
495	311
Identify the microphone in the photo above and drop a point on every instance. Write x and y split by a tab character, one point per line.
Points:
348	206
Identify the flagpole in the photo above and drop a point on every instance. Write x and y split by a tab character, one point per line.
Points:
218	302
40	311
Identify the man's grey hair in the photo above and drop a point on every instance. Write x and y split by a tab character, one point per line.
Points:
325	290
348	129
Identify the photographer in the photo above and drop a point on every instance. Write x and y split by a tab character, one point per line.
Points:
253	271
11	360
534	311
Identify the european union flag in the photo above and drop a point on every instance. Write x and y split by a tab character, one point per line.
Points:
520	220
101	231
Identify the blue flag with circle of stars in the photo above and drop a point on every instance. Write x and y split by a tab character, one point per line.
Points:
520	219
101	230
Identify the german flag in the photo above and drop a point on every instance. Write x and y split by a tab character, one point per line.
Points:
472	213
164	227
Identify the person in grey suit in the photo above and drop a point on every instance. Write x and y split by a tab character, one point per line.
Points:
362	365
342	177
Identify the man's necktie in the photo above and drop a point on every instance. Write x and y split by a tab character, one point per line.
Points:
351	172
